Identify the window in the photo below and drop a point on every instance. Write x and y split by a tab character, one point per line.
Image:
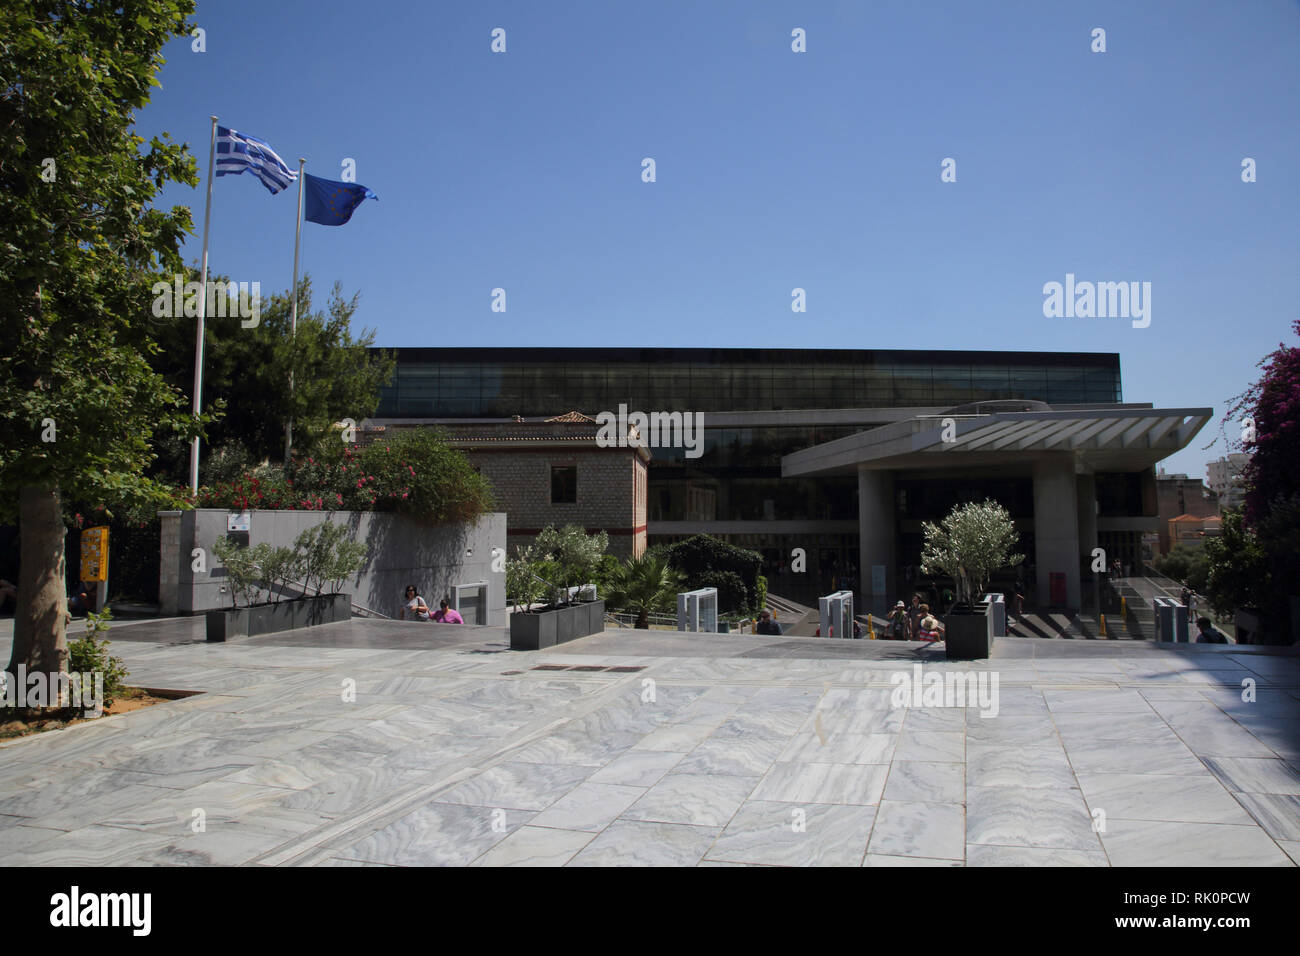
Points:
564	484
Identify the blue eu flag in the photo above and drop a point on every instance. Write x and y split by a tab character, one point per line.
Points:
332	203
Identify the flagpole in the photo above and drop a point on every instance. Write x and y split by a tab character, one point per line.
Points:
203	309
293	309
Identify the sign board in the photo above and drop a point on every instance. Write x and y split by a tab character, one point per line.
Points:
237	521
94	554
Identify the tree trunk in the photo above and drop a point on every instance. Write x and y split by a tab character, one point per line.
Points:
643	619
41	617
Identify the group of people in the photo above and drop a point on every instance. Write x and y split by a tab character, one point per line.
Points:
914	623
415	609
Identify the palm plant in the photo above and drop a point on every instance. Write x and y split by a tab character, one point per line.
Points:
643	585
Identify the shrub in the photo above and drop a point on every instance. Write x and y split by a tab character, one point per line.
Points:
575	554
703	554
90	654
733	596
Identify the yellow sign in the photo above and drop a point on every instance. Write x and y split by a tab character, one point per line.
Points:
94	554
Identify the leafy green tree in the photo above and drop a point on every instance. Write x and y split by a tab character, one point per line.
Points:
969	545
246	377
1239	574
80	249
643	586
576	554
1187	564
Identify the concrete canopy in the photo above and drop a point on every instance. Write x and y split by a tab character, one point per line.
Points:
1100	439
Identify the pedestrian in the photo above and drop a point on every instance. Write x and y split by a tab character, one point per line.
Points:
766	625
414	609
1191	604
446	614
1183	597
914	614
897	624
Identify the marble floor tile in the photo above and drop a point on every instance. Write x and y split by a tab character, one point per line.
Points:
638	768
1220	738
519	786
858	784
436	834
695	799
1112	726
676	737
839	748
589	806
1142	756
1151	796
932	830
1277	813
1152	843
576	748
781	834
876	859
978	854
634	843
736	756
915	781
1021	816
998	765
1109	701
1255	774
1030	731
931	747
1292	848
535	846
935	719
86	846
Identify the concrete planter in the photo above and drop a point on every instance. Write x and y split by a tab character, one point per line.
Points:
235	622
540	629
966	636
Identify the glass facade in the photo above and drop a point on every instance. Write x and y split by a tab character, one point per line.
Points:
498	383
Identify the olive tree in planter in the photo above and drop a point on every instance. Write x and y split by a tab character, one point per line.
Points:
558	560
969	545
325	557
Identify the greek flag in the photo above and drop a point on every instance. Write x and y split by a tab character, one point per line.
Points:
238	151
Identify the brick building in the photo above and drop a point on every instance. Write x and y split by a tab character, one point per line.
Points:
1178	496
552	472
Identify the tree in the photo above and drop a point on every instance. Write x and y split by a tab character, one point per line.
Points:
969	545
1187	564
1256	564
80	249
576	554
644	585
246	379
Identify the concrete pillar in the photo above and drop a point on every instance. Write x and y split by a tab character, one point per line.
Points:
1056	528
1086	491
877	537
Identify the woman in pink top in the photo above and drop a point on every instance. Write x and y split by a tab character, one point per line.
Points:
447	615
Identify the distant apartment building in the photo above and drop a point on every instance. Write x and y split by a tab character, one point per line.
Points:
1180	497
1224	478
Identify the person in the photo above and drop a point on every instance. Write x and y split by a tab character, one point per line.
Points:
930	629
914	614
415	609
897	623
1191	603
1018	604
1208	634
446	614
1184	597
83	599
766	625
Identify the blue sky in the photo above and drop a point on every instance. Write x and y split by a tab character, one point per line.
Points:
775	170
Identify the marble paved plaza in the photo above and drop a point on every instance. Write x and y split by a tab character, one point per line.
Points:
662	749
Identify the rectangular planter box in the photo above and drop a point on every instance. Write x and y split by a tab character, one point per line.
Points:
966	636
230	623
533	632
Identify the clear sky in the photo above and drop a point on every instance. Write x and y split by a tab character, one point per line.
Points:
775	170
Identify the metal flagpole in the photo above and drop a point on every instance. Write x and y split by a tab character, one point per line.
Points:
203	311
293	309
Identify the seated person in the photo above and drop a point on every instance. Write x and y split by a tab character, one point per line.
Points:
929	628
446	614
766	625
415	609
1208	635
83	599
